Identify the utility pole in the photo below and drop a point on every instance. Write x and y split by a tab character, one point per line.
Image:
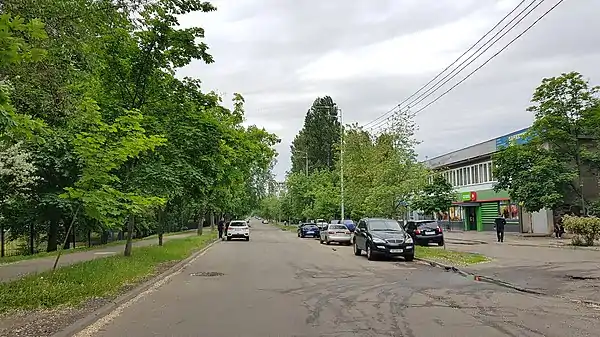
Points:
306	157
342	161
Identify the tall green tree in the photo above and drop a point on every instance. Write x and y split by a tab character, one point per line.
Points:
319	138
548	171
436	196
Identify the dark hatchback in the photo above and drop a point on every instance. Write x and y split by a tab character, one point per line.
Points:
425	232
382	237
308	230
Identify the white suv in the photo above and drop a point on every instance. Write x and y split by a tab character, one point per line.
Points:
238	229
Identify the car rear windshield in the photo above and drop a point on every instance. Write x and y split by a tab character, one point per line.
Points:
384	225
237	224
310	226
427	223
337	227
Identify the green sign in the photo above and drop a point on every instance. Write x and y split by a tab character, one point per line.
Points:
466	196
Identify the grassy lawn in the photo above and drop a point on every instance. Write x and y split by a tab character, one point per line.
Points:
104	277
282	227
449	256
15	258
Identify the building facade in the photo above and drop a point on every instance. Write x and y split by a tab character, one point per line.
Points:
470	172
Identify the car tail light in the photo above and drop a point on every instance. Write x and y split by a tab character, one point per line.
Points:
331	232
439	229
417	231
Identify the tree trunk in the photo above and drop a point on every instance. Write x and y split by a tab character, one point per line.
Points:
130	226
212	220
66	237
89	238
200	222
2	239
161	225
67	240
52	236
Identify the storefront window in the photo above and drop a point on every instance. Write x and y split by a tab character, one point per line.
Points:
456	213
509	210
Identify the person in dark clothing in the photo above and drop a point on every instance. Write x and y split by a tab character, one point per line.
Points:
559	229
499	223
221	227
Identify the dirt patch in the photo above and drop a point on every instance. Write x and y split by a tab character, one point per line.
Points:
45	323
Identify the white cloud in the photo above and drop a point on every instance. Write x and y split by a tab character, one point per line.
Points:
417	53
370	55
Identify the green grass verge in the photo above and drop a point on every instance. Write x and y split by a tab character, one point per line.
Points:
103	277
449	256
16	258
282	227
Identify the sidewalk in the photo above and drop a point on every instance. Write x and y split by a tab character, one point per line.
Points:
572	273
16	270
512	239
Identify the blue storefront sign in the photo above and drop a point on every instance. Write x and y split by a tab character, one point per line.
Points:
517	137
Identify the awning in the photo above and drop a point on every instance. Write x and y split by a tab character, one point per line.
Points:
467	204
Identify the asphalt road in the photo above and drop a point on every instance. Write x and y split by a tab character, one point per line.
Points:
279	285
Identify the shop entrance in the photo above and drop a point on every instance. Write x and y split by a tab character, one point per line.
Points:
471	219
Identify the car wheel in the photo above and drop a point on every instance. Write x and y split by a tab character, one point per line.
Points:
248	239
409	258
357	250
370	256
327	242
228	238
320	241
298	234
441	243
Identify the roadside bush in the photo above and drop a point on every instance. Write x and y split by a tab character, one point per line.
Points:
585	230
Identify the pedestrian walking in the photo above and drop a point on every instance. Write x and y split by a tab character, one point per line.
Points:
559	229
220	227
499	223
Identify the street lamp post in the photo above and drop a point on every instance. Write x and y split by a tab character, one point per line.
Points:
342	161
306	158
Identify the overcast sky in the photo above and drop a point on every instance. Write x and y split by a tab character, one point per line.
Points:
370	55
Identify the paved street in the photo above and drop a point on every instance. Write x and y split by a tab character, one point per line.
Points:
279	285
549	270
16	270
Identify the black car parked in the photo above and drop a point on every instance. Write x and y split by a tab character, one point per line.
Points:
308	229
382	237
425	232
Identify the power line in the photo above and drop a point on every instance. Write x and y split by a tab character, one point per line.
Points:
493	41
491	58
450	65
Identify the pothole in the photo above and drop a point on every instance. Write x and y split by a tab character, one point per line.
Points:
578	277
207	274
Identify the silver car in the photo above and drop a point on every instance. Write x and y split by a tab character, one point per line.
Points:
336	233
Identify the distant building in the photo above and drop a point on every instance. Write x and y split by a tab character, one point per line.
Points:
470	172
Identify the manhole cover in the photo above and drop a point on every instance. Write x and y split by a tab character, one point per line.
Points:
207	274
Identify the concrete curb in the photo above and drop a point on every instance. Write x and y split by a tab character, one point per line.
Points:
83	323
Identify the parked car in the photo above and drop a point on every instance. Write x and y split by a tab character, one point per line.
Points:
382	237
238	229
334	222
308	230
335	233
265	221
350	225
425	232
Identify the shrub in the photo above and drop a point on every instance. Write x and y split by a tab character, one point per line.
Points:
586	230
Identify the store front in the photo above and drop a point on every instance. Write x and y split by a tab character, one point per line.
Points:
479	209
